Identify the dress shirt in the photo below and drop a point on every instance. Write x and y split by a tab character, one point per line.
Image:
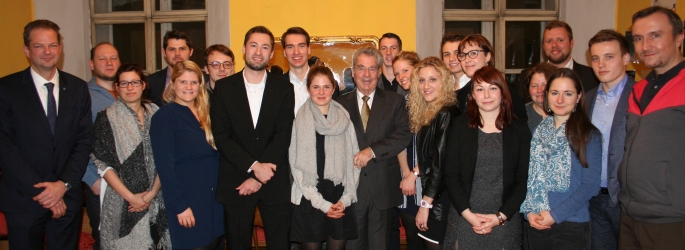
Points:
360	102
40	82
300	87
255	93
603	117
463	80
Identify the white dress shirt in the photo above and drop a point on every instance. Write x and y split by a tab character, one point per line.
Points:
40	82
360	102
255	93
300	87
463	80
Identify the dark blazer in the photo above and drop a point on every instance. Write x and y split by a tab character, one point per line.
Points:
240	144
516	101
617	139
157	82
585	73
387	134
461	164
29	153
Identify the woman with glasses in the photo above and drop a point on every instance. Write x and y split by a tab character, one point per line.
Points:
188	162
133	213
536	81
475	52
487	168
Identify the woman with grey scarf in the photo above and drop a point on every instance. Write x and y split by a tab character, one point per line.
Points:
321	154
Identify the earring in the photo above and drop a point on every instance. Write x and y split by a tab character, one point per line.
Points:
574	110
549	110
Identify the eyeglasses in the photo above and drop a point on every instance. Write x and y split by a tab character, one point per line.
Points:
217	64
472	54
134	83
362	69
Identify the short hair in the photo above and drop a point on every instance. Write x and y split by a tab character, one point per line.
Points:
560	24
607	35
673	17
295	31
320	69
452	37
92	51
478	40
544	68
369	51
409	56
221	49
391	35
132	67
490	75
40	24
176	34
259	29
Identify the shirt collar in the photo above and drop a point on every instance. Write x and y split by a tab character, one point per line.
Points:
360	95
668	74
294	79
40	81
255	87
616	90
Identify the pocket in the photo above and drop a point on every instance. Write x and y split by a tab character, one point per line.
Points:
655	185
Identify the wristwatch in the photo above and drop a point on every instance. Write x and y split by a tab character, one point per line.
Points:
501	220
416	173
425	204
67	184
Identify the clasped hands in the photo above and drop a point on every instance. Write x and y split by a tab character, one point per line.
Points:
336	210
140	201
51	197
263	173
481	223
541	221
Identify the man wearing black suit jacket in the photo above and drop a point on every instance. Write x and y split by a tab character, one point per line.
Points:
557	44
389	45
252	118
45	142
176	47
381	123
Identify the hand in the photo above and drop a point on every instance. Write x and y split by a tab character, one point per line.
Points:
475	221
249	186
137	203
534	220
53	193
363	157
336	210
408	184
149	196
263	171
186	219
547	219
96	187
59	209
488	226
422	219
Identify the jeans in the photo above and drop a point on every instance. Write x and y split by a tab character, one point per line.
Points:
605	223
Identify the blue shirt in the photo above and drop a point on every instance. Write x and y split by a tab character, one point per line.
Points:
100	99
603	118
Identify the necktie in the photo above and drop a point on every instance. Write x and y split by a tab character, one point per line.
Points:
365	111
52	107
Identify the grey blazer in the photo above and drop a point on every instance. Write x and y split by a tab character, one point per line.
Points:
617	139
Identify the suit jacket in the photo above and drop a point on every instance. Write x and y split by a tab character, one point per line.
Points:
157	82
617	139
461	164
240	144
387	134
29	153
585	73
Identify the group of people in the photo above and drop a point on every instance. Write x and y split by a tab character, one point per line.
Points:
444	147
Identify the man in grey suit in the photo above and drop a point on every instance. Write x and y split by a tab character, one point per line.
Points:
381	123
607	107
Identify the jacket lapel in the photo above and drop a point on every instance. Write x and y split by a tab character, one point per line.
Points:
29	88
377	111
242	103
267	100
353	110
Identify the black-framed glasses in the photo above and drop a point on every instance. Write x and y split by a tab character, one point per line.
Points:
134	83
472	54
217	64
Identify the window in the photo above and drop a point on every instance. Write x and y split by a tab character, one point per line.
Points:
137	27
514	27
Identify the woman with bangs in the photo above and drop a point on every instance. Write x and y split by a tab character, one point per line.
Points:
188	162
487	167
431	108
133	215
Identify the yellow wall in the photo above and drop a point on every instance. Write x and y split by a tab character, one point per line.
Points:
15	14
324	18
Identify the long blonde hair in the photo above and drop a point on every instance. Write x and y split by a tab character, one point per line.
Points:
421	113
201	102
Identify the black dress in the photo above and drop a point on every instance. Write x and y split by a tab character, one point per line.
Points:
310	224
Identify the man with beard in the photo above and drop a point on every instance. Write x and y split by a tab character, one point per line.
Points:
176	47
557	44
252	117
104	62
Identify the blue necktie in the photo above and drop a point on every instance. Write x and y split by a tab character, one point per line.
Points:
52	107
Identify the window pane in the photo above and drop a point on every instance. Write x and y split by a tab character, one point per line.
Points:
531	4
486	29
109	6
523	44
470	4
129	39
196	32
513	80
166	5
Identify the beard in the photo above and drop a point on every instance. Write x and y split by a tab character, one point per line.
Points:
559	60
104	77
255	66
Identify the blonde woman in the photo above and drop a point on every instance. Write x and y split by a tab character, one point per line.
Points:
187	160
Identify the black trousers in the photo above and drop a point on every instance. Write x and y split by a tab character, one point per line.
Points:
565	235
93	211
239	222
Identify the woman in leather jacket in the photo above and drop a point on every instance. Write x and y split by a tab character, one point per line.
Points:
431	108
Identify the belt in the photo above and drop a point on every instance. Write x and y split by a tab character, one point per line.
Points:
604	191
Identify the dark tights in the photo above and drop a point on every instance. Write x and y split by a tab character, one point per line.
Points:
331	244
411	232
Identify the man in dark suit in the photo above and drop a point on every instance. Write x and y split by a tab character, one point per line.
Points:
557	44
381	122
608	107
176	47
389	45
45	141
252	118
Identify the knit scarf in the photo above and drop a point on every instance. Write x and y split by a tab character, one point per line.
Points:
550	165
340	144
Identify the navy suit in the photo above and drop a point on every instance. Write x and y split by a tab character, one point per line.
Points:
29	154
157	82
